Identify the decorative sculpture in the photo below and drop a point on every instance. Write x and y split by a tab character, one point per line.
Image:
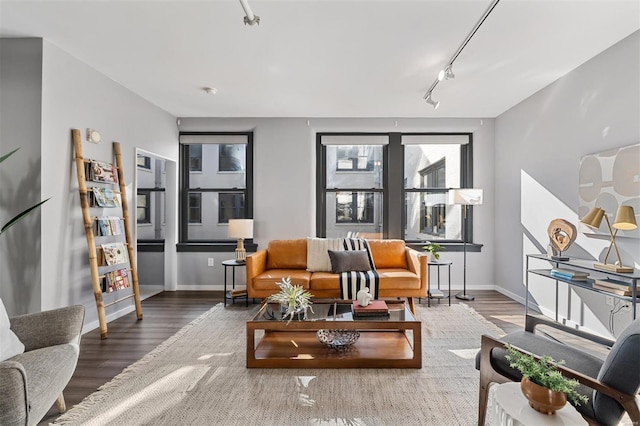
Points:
562	234
364	297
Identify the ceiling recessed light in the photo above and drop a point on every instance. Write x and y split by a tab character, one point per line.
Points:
210	90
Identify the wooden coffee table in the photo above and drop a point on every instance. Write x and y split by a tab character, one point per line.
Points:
385	342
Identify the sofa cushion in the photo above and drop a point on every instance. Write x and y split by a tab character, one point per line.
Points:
268	279
10	345
388	253
397	278
389	279
318	253
345	261
287	254
48	371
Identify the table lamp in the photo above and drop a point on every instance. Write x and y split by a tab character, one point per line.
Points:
240	229
625	221
465	197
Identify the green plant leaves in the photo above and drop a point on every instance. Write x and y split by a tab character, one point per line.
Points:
22	214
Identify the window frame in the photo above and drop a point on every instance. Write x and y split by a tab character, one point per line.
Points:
393	191
213	245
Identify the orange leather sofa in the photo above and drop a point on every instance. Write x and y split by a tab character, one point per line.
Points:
402	270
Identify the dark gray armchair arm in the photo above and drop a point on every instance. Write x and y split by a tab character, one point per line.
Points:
49	328
533	321
13	403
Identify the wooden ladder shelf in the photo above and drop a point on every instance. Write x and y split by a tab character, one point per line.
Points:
89	229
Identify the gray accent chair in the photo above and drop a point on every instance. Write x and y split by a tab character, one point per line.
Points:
31	382
611	384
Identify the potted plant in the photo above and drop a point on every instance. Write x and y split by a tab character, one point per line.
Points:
544	386
433	249
293	299
22	214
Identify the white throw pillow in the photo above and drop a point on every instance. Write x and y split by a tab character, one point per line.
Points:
318	253
10	345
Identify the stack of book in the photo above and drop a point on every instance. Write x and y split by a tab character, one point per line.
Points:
620	288
238	292
377	308
569	274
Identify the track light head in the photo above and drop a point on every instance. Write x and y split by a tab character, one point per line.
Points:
446	73
430	101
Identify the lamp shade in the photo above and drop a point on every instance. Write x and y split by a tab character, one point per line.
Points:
625	219
466	196
240	228
593	219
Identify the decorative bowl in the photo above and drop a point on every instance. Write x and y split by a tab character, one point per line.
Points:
338	339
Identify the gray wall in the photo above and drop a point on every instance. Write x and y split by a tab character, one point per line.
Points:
284	186
74	95
538	144
20	118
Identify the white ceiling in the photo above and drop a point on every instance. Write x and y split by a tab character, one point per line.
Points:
326	58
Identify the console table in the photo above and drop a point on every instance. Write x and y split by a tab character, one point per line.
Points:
584	265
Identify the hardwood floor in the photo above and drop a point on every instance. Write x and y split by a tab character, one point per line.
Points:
166	313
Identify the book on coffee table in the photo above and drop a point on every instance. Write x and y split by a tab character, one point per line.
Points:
375	308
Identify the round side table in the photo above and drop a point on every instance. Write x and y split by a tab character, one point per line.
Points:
507	405
233	264
433	294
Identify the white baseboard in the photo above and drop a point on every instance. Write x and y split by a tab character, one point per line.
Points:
117	314
208	287
111	317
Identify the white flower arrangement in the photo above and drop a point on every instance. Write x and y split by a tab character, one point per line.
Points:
293	297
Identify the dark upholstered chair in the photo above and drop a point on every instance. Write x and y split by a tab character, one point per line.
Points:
31	382
610	384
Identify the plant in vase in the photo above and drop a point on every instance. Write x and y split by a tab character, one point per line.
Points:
293	298
433	249
540	374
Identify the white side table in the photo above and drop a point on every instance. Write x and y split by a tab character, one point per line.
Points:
507	406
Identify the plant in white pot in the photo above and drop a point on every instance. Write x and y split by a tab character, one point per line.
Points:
433	249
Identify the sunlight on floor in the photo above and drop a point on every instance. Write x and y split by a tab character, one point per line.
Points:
512	319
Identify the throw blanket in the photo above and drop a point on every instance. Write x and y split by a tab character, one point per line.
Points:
351	282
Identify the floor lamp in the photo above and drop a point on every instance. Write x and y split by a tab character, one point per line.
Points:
465	197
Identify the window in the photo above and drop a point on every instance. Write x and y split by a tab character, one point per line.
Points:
195	158
354	158
407	199
354	207
195	207
433	212
231	158
150	198
352	203
230	206
143	204
433	164
220	190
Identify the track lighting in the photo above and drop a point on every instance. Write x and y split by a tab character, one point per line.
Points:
430	101
250	18
447	72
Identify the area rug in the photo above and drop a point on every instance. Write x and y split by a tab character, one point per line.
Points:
198	377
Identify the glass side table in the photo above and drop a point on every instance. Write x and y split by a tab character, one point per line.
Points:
437	293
